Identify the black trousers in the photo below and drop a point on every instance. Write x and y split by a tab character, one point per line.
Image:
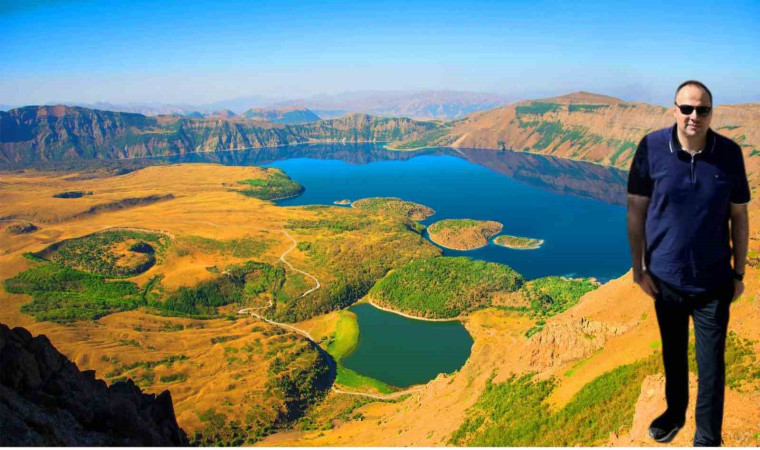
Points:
710	312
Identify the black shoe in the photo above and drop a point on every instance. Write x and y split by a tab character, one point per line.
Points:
663	429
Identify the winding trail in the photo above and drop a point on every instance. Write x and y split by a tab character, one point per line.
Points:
303	333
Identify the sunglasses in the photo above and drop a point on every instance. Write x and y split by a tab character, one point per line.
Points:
686	110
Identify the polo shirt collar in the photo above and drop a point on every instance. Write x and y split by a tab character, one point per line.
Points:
675	145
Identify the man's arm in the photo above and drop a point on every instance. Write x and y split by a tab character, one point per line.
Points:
740	241
636	218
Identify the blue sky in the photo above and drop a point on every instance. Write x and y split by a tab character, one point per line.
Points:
200	52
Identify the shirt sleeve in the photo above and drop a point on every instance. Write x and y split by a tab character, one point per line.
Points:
639	181
740	186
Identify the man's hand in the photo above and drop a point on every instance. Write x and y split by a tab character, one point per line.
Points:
738	289
647	285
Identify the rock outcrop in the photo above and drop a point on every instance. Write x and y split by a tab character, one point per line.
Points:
567	340
46	401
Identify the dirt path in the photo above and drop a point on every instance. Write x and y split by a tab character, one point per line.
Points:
291	327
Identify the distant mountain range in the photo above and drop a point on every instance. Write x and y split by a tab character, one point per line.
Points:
286	116
427	105
422	105
580	126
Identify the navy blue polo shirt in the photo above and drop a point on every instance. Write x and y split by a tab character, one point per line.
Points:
687	233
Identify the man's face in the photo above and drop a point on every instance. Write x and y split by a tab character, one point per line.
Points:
692	125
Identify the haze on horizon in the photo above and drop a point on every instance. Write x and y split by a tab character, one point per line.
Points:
204	52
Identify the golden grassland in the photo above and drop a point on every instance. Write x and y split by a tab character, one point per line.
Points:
393	205
221	375
610	326
463	234
218	363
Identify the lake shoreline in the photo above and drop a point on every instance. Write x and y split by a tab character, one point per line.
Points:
409	316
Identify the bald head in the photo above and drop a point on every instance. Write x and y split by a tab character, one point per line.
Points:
696	84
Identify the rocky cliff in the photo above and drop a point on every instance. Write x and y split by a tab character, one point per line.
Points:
46	401
58	133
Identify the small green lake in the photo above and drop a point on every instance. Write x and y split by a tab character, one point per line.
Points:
402	351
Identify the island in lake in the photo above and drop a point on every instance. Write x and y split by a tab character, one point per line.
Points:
463	234
393	205
517	242
345	201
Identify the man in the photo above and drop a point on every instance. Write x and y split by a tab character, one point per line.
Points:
686	184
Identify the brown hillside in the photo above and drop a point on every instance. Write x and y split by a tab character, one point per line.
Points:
606	135
587	127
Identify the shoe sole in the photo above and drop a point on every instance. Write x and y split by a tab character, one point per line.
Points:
668	437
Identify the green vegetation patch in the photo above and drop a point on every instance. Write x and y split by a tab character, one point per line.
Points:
581	107
621	149
444	287
334	224
393	205
551	131
454	224
61	294
174	378
518	242
340	407
341	344
742	365
121	369
274	186
350	252
346	337
72	194
111	253
239	284
552	295
515	413
352	379
580	364
219	432
537	108
300	377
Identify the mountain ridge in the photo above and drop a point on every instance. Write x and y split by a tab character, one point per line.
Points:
58	133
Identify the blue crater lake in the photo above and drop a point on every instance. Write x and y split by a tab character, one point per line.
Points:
401	351
583	236
577	208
